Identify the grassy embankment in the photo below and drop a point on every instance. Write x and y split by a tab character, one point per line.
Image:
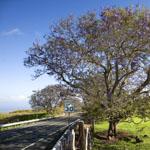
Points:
23	115
20	115
127	133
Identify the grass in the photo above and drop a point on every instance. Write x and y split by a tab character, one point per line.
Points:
142	130
20	116
23	115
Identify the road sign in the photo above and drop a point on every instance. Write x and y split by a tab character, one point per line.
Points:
69	107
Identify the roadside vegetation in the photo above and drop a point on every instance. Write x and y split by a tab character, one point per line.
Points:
23	115
20	115
131	136
47	102
49	98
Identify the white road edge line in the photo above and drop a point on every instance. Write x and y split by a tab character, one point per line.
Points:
23	122
27	121
31	144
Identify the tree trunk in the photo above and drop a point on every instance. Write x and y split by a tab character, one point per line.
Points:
93	126
112	130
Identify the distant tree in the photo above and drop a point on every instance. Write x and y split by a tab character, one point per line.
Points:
111	49
48	98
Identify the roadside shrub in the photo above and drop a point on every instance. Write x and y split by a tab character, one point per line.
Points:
20	117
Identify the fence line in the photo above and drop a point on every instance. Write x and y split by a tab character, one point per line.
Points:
76	137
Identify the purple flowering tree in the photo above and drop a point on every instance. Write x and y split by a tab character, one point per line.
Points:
106	56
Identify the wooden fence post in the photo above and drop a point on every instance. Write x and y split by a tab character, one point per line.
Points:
73	140
77	136
82	135
86	139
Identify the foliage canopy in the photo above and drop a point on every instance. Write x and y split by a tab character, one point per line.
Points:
106	56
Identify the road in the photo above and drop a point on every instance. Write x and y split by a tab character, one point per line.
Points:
36	136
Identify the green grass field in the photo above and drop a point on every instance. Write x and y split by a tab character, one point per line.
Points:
142	130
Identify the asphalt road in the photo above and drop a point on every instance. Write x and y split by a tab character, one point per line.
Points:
36	136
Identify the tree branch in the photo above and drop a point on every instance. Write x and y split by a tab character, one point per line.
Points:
144	84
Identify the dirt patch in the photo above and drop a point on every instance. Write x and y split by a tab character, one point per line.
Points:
120	136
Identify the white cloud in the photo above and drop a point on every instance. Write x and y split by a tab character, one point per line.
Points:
15	31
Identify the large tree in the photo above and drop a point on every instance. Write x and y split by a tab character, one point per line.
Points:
49	97
110	49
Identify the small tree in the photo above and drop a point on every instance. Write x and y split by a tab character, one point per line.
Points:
48	98
114	47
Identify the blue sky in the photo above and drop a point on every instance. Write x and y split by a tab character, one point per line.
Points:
21	23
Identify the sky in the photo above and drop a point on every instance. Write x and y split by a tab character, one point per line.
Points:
23	22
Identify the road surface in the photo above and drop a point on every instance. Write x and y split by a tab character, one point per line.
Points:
36	136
